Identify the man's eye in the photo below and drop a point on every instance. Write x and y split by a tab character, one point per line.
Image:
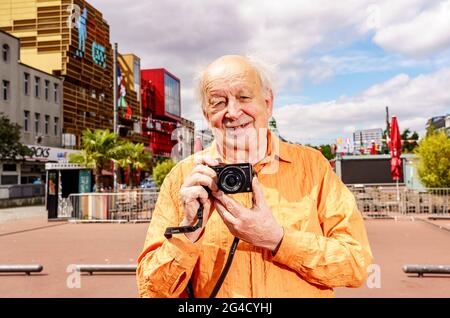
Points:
218	103
245	97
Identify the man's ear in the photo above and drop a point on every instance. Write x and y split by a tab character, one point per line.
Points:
269	102
206	117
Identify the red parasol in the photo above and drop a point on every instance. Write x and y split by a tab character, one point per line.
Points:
396	150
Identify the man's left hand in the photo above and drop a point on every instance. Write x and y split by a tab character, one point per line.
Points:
257	225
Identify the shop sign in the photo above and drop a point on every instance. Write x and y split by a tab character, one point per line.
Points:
50	153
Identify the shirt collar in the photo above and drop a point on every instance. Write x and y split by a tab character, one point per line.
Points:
277	150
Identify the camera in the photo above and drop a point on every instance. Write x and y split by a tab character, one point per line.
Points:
234	178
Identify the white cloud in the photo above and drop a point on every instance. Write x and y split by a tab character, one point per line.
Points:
183	36
413	100
426	32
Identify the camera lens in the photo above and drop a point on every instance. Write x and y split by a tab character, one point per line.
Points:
230	180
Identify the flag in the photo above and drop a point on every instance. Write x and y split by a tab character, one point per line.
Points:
396	150
129	112
121	91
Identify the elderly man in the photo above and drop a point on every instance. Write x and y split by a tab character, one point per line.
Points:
300	231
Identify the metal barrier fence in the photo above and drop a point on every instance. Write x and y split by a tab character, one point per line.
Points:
385	200
128	205
26	191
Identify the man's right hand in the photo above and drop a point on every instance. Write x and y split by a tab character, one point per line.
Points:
192	192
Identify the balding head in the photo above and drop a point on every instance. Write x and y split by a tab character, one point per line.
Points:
234	65
237	102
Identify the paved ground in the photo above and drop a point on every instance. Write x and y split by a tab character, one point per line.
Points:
59	244
56	245
396	243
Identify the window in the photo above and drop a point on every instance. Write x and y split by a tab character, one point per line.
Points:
9	167
172	95
47	83
47	119
26	119
37	118
5	90
5	52
26	83
56	126
55	86
37	86
9	179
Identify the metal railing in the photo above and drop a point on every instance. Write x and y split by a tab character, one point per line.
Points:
21	268
128	205
106	268
385	200
18	191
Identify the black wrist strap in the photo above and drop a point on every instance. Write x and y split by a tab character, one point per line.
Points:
186	229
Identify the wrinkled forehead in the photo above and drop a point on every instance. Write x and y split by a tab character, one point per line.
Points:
230	76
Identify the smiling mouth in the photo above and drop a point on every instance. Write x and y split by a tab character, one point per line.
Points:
240	126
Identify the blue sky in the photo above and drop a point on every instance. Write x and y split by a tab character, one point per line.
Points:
351	82
338	64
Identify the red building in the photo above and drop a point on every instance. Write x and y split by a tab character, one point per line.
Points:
161	107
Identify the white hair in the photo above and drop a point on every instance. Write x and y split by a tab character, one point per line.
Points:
264	71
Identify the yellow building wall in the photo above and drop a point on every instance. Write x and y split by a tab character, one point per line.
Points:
48	62
20	18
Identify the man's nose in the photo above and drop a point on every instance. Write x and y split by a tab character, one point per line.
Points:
234	110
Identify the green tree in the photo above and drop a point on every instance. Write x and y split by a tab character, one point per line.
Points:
409	141
326	151
384	144
134	157
434	160
10	146
99	148
161	170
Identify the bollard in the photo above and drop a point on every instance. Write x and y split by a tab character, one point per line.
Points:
427	269
21	268
116	268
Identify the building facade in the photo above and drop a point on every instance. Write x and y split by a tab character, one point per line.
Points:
130	119
366	137
440	123
161	109
67	38
170	135
32	99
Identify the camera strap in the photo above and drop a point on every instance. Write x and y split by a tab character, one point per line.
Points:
186	229
226	268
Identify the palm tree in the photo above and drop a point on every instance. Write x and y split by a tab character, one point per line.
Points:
134	157
100	147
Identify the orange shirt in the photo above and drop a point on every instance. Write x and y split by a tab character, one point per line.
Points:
325	243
